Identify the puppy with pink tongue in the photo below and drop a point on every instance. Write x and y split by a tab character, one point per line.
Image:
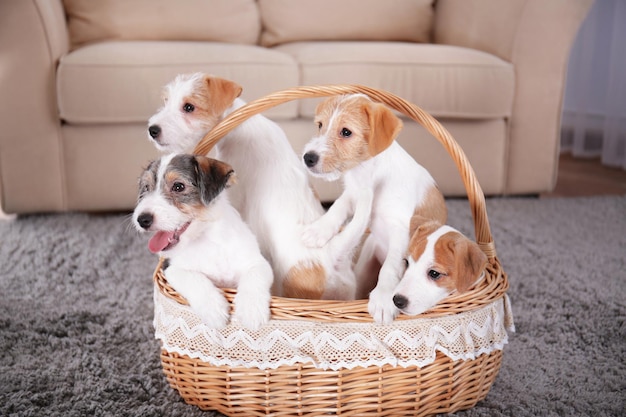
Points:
164	240
183	200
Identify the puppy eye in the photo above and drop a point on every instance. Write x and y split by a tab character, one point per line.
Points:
178	187
434	275
319	125
405	262
346	133
188	107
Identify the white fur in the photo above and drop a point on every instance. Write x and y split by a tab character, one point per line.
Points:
217	250
273	194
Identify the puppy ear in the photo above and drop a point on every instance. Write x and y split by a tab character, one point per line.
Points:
222	92
384	127
470	263
213	177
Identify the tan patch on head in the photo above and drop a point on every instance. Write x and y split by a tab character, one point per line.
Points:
305	281
356	129
222	92
460	259
188	199
210	98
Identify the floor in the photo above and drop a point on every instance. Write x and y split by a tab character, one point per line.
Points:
586	177
577	177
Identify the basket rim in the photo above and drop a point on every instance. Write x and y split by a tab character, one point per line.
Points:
493	287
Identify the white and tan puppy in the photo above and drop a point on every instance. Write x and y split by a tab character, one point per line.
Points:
182	200
440	260
273	194
356	142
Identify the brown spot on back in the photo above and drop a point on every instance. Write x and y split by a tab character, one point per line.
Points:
305	281
434	206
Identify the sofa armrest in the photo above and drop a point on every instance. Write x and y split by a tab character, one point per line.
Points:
536	37
33	36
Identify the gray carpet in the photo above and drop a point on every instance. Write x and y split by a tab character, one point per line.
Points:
76	336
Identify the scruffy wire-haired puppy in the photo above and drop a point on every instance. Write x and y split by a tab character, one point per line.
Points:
356	142
183	201
273	194
439	261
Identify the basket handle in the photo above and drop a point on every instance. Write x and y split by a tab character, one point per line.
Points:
475	194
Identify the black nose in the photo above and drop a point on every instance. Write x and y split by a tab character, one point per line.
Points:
400	301
155	131
310	159
145	220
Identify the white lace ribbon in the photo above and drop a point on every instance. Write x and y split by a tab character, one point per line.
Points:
329	345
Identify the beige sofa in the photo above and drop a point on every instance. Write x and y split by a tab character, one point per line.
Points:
79	79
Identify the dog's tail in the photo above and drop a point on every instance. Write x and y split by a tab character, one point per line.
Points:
343	244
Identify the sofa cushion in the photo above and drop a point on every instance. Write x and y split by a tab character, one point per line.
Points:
445	80
307	20
235	21
117	82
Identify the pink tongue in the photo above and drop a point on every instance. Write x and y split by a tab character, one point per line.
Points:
159	241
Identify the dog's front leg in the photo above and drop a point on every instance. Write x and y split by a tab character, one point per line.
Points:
318	233
381	306
205	299
252	302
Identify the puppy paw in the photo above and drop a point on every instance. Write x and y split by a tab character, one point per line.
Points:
317	235
381	307
252	310
213	314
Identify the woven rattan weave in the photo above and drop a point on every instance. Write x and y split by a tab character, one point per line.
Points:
444	385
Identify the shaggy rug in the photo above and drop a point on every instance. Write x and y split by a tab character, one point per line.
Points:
76	335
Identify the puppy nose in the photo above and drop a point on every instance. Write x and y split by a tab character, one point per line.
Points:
155	131
310	159
145	220
400	301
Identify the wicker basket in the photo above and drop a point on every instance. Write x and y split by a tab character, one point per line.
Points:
452	372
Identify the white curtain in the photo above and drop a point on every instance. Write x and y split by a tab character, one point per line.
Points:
594	107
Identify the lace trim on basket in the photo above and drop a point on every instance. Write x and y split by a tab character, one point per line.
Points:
333	345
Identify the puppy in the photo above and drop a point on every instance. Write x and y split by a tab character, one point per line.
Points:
439	260
182	199
356	142
273	194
